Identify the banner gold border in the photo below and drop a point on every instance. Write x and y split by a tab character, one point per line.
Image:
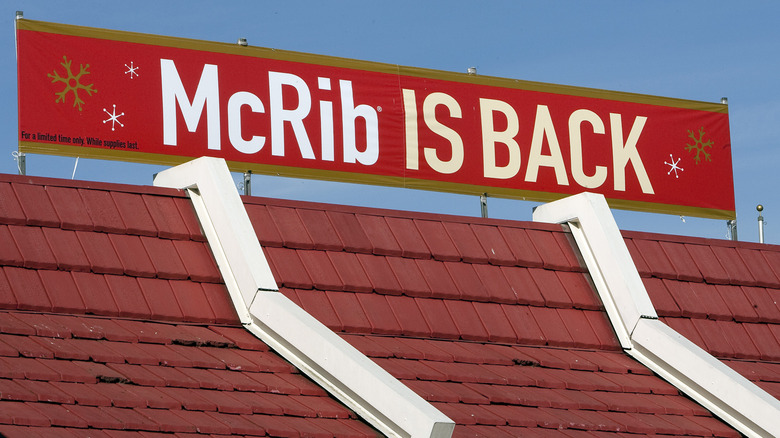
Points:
332	61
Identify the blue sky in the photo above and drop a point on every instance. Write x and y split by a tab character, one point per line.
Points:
698	50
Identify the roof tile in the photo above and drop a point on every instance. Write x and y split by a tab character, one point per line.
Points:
165	258
264	227
762	337
137	374
494	245
166	217
197	260
438	318
603	331
27	347
408	315
495	321
522	247
568	247
739	305
439	279
19	413
580	289
9	253
736	269
758	266
44	325
27	288
132	255
290	227
188	217
10	324
466	320
764	302
438	241
380	236
550	322
160	298
662	301
59	415
83	393
740	340
321	270
350	271
352	316
466	242
218	298
33	247
192	301
66	249
551	288
636	257
551	252
10	210
467	281
773	259
128	296
289	270
523	285
167	423
657	261
317	224
408	237
100	253
36	206
379	274
711	300
524	324
379	314
707	263
132	210
579	327
62	291
495	283
686	299
350	232
410	277
99	205
681	260
70	208
95	294
152	397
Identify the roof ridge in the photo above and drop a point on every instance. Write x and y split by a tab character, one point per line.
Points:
94	185
408	214
698	240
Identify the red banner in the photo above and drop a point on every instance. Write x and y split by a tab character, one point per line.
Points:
126	96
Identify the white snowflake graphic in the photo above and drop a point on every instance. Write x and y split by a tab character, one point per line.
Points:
131	69
113	118
673	166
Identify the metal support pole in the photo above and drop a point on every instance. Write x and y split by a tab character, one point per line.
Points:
483	204
760	208
248	183
21	162
732	227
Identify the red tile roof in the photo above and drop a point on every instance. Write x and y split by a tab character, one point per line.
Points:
114	319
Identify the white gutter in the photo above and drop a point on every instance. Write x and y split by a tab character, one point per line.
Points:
724	392
376	396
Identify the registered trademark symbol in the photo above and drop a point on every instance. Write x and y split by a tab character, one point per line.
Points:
379	108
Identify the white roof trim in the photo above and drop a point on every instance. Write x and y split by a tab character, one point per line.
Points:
727	394
358	382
